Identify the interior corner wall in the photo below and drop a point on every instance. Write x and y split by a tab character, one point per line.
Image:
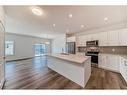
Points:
24	46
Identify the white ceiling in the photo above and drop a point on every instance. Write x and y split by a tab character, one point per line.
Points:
20	19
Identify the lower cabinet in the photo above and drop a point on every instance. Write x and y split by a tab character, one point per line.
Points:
123	67
109	62
114	63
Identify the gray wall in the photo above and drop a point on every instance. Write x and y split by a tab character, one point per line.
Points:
24	45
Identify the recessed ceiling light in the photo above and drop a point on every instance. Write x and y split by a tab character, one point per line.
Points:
70	15
82	26
54	25
37	11
105	19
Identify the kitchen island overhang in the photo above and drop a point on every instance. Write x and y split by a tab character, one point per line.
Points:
74	67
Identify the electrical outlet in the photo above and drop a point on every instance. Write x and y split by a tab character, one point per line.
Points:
113	50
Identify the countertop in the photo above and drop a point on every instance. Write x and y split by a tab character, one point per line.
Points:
71	57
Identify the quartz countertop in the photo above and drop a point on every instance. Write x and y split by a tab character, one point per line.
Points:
71	57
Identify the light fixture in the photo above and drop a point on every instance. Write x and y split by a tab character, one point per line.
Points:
37	11
82	26
105	19
70	15
54	25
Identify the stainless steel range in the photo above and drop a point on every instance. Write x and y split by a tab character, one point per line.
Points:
92	49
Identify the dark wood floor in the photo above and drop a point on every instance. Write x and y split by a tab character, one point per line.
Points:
33	74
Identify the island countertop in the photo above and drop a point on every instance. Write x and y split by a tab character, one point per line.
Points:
70	57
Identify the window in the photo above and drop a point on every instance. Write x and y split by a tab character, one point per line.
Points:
40	49
9	48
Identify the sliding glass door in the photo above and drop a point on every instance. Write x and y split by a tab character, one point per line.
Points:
40	49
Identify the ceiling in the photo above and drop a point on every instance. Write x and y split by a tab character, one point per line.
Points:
21	20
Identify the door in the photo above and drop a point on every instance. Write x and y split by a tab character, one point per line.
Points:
2	55
40	49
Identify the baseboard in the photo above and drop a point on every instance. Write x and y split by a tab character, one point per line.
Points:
19	59
109	69
2	83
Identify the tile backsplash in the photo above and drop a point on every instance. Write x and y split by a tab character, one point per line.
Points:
114	49
108	49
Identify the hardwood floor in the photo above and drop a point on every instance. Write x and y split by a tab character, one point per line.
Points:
33	74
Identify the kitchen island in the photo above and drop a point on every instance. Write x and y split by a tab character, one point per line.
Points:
77	68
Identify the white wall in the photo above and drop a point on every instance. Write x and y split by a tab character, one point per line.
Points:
2	15
58	43
24	45
2	73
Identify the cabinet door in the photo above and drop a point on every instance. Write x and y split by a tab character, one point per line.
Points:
113	63
123	37
95	36
71	39
103	39
102	61
88	37
123	68
113	38
80	41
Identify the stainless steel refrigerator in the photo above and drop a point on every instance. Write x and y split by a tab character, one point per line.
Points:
70	47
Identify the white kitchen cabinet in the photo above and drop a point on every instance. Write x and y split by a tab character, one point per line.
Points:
109	62
123	37
113	38
95	36
71	39
88	37
123	67
102	60
80	41
103	39
113	62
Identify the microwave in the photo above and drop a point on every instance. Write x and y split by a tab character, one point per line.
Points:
93	43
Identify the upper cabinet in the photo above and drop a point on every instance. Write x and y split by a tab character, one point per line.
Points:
81	40
94	36
71	39
110	38
123	37
113	38
103	39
